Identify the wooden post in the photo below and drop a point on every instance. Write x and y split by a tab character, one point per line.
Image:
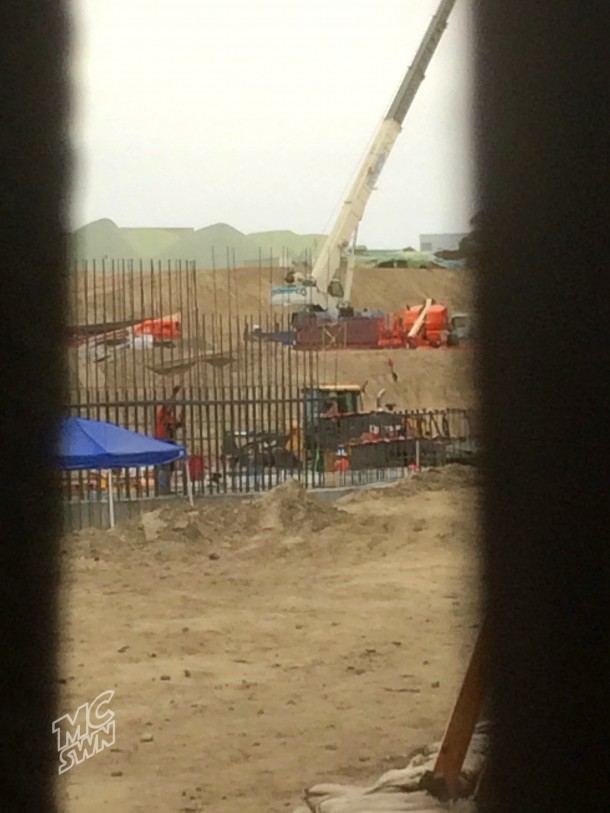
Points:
463	720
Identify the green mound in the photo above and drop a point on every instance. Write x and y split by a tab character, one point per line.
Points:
288	244
148	243
219	245
101	240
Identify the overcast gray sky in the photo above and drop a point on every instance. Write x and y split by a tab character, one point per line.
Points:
257	113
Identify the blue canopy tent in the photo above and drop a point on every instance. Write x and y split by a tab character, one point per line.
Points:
88	444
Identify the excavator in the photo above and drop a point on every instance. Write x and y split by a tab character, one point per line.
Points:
334	417
323	289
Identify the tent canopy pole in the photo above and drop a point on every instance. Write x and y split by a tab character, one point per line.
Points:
110	498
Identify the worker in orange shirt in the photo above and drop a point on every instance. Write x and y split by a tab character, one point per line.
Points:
342	460
166	420
167	424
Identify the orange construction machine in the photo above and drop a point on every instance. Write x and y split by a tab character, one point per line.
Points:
428	325
424	325
163	329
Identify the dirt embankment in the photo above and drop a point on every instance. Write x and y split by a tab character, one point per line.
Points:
426	378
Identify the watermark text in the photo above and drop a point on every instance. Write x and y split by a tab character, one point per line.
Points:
84	734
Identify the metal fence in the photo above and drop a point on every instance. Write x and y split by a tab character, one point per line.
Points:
149	342
136	325
248	440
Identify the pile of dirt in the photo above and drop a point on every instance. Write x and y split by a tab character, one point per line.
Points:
288	511
447	478
175	523
442	479
277	662
392	289
208	246
290	507
426	379
205	525
289	516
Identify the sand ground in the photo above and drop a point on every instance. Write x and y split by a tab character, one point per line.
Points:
270	645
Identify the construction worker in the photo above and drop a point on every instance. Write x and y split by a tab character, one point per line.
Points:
167	424
166	420
341	463
295	444
331	409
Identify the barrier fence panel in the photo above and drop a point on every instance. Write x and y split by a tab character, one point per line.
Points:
165	351
249	440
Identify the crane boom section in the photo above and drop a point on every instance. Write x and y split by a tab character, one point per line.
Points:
328	262
329	259
417	70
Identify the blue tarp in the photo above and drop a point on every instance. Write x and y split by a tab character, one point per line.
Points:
87	444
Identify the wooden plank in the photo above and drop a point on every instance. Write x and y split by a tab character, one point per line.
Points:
463	720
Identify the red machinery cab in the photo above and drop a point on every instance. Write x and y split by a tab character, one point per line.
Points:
435	326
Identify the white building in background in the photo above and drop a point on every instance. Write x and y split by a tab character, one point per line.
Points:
440	242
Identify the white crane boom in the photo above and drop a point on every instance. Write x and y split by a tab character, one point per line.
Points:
325	289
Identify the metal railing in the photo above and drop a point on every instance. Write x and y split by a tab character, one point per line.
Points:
144	344
247	441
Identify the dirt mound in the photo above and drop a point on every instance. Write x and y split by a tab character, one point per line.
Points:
447	478
288	521
306	655
206	525
426	379
291	507
392	289
288	511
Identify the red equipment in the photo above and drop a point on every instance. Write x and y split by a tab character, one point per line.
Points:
163	329
434	329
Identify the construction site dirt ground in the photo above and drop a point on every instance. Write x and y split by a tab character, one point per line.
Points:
426	379
258	647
